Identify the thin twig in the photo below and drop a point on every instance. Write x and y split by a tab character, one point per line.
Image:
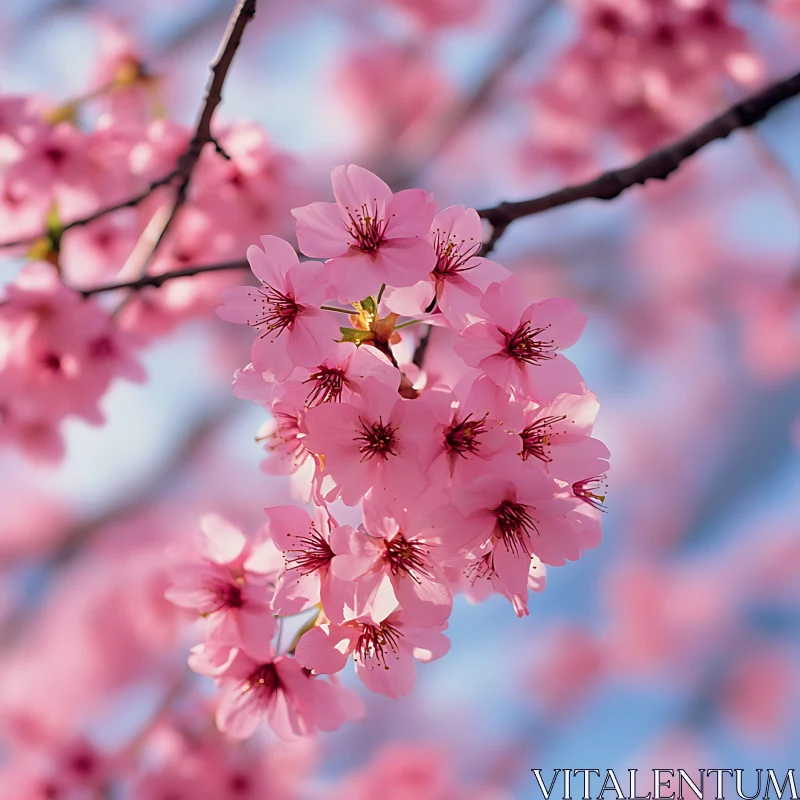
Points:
656	166
243	13
159	280
131	202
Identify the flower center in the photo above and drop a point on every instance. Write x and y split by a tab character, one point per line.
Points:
536	438
710	18
286	438
452	256
480	569
526	345
407	557
327	386
377	440
51	362
226	594
464	437
276	312
514	526
312	554
102	348
366	228
589	491
610	21
264	683
376	642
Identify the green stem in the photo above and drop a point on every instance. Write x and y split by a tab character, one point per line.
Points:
380	293
340	310
406	324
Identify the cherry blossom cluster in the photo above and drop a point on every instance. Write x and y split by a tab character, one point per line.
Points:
469	478
644	71
59	352
59	355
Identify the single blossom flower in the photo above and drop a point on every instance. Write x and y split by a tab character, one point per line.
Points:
373	443
472	427
519	345
308	547
292	329
383	652
460	277
223	586
395	558
511	516
371	236
340	376
279	691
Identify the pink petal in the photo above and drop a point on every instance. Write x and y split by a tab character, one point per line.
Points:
321	231
410	213
240	304
222	542
404	262
394	678
256	627
324	649
353	277
511	569
354	186
561	317
410	300
546	380
427	601
271	264
428	644
505	302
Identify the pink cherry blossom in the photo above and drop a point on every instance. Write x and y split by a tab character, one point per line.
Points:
278	691
222	587
285	309
373	443
472	427
518	345
60	353
309	547
460	277
395	559
341	375
383	652
514	515
565	422
370	236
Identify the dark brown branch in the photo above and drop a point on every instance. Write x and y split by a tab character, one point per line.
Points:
657	166
131	202
244	12
158	280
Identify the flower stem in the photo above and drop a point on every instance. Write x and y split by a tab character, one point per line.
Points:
340	310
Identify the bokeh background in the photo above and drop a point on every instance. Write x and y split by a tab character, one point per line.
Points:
675	644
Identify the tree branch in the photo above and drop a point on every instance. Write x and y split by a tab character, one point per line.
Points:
243	13
157	280
656	166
